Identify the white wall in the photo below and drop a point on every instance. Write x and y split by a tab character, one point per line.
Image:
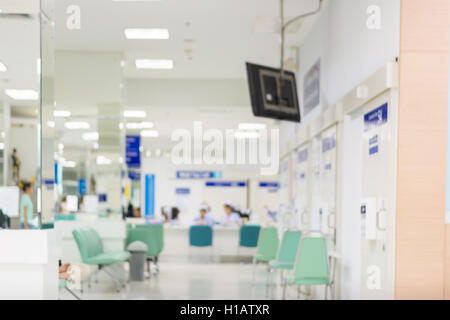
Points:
349	54
348	50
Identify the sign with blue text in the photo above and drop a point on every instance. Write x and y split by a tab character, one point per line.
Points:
228	184
311	88
82	187
132	151
188	174
376	118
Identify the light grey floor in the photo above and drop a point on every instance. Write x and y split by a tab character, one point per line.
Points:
183	280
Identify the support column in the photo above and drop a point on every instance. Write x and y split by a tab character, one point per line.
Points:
420	269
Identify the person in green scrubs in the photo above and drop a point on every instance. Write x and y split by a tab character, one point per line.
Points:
26	207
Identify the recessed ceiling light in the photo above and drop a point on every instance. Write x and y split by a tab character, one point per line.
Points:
25	94
77	125
139	125
90	136
252	126
147	34
69	164
134	114
149	133
61	113
2	67
154	64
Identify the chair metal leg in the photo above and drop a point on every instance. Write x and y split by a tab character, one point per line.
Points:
73	294
254	271
117	282
284	289
326	292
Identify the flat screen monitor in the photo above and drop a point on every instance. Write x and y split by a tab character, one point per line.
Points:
272	96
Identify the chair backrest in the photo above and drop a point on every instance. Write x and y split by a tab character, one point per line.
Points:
158	229
267	244
200	236
88	241
312	259
248	236
289	247
150	234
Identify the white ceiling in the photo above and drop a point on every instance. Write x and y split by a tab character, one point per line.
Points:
222	30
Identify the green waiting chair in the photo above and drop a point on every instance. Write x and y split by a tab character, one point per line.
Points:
90	246
152	235
248	236
267	247
287	253
201	236
311	266
65	217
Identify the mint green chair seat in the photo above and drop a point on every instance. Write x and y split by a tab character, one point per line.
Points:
109	258
288	251
91	248
267	244
312	263
311	267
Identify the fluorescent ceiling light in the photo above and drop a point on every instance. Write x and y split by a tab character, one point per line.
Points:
25	94
252	126
139	125
90	136
2	67
147	34
77	125
154	64
69	164
134	114
101	160
61	113
149	133
246	135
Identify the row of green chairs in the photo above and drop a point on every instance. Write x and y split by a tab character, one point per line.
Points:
301	254
150	234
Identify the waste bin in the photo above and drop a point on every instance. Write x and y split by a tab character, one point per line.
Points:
138	252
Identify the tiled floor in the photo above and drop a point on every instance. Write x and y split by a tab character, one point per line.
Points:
182	280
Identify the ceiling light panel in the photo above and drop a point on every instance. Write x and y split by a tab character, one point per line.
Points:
26	94
154	64
147	33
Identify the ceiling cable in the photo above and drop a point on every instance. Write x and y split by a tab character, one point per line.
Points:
284	26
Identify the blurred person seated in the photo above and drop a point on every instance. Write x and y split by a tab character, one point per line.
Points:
230	217
203	218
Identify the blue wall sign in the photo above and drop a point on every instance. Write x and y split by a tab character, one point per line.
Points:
376	118
82	186
196	174
328	143
134	175
303	156
311	88
228	184
132	151
102	197
269	185
182	191
49	184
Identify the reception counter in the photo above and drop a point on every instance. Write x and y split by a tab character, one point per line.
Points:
29	264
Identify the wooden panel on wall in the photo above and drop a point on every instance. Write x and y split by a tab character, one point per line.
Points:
420	266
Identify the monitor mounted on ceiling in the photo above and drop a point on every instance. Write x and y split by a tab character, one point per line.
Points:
270	97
